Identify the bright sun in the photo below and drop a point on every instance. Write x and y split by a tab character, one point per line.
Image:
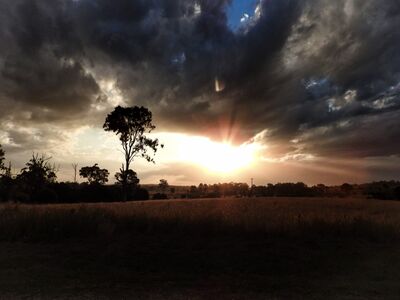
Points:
218	157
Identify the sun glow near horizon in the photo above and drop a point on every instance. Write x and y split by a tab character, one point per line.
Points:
88	145
215	157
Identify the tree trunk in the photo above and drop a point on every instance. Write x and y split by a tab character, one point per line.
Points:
125	182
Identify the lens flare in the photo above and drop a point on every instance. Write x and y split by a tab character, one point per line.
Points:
219	85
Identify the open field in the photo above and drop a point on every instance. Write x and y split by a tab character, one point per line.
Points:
276	248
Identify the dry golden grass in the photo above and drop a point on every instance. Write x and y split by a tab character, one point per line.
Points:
262	212
268	215
271	248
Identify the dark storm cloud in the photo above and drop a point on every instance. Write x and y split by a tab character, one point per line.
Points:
320	77
41	71
366	136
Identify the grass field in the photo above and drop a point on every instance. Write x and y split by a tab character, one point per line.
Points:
276	248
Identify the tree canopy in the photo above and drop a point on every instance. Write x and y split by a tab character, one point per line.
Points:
163	185
130	176
132	124
38	172
94	174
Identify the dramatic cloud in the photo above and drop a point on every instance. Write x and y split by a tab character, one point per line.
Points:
308	78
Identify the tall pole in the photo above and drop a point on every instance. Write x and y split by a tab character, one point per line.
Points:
75	167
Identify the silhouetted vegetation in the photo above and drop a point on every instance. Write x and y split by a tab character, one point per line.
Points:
132	124
385	190
37	183
35	179
1	158
163	185
94	174
159	196
128	177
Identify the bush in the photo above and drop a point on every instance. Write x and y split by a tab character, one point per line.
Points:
384	190
159	196
141	194
19	196
397	193
81	193
44	195
6	188
100	193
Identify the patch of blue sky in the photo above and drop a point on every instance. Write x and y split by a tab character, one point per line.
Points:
238	10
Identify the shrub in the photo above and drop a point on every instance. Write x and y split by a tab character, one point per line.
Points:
20	196
44	195
141	194
397	193
159	196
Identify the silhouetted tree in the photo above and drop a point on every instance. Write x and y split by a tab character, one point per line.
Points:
7	170
35	178
319	190
163	185
203	188
2	157
132	124
241	189
130	177
38	171
193	192
346	188
94	174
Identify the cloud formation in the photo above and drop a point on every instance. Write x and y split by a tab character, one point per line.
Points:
314	77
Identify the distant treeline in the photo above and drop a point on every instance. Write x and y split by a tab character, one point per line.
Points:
15	189
37	183
385	190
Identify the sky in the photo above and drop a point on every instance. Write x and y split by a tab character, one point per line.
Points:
275	90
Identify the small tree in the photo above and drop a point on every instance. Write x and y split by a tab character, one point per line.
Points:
346	188
94	174
130	177
7	170
132	124
38	173
2	157
163	185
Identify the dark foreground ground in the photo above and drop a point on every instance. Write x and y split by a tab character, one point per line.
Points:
358	260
